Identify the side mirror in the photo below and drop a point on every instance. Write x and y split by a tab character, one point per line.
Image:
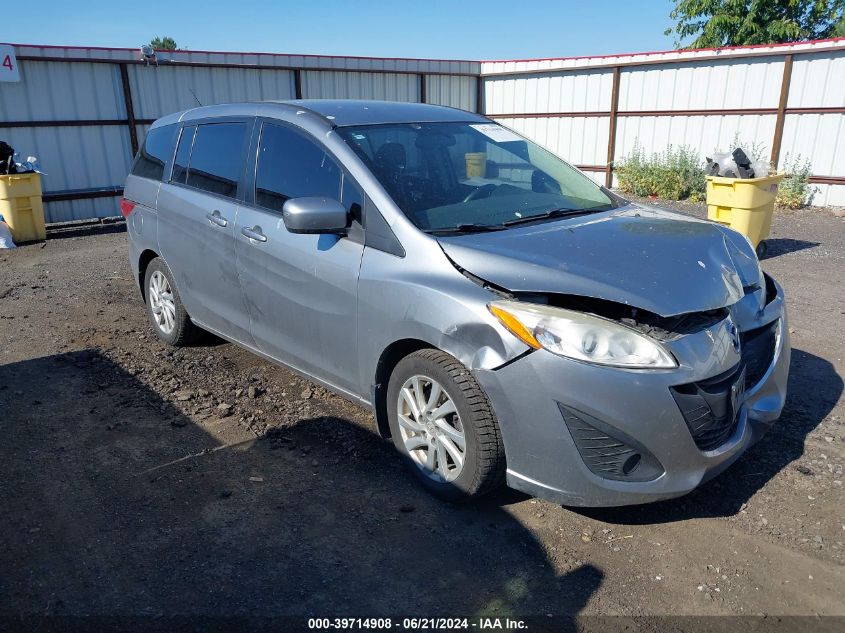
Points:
314	215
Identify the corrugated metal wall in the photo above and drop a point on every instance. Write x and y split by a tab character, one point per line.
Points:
69	109
702	99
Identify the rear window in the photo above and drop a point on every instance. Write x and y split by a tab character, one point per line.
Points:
156	151
214	160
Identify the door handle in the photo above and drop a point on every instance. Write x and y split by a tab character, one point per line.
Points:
254	233
216	218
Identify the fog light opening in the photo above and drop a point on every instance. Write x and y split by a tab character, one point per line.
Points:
631	463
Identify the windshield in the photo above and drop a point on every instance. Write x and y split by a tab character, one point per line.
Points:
463	177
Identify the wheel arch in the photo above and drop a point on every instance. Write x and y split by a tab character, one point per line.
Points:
144	260
387	362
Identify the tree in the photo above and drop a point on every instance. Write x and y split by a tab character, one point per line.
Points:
839	29
715	23
164	44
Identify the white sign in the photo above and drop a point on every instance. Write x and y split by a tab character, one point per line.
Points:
8	64
497	132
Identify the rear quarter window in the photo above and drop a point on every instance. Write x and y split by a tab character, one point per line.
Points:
156	151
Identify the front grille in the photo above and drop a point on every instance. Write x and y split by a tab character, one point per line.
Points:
710	407
758	351
606	452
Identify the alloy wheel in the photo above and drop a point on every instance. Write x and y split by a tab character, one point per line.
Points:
162	302
431	428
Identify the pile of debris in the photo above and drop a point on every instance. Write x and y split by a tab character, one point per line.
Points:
737	165
10	165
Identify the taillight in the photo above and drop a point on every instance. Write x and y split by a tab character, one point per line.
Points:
126	207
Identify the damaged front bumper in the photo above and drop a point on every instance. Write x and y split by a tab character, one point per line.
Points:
587	435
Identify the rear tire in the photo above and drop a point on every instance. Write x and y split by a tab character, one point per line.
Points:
168	317
454	450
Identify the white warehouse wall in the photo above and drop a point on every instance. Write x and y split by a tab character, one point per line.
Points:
70	107
703	99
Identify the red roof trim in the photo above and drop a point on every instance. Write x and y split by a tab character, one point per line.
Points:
691	50
135	50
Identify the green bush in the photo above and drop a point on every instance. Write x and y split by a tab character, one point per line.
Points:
675	174
795	191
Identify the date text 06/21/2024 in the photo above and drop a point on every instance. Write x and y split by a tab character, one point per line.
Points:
410	624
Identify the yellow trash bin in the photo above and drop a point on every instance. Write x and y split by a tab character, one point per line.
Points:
744	204
476	164
21	206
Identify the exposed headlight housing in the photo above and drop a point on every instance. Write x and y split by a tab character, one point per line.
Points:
580	336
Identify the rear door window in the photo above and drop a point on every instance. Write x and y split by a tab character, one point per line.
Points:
156	151
216	159
290	165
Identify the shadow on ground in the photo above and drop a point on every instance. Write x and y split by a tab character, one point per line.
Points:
115	503
813	391
777	246
58	231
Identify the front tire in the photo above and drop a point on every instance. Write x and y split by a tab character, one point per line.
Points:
167	315
442	423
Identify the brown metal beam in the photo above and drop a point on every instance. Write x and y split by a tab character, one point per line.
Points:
591	167
539	115
82	194
611	133
661	113
825	110
781	111
64	123
108	192
635	113
828	180
525	115
130	110
701	112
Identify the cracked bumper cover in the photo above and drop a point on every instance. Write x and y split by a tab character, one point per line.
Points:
543	459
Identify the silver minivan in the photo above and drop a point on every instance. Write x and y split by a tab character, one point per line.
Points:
504	317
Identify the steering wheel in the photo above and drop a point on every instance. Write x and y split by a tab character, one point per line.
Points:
477	193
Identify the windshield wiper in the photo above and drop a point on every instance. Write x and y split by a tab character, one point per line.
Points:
554	213
467	228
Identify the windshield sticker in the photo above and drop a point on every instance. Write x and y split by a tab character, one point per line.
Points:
496	132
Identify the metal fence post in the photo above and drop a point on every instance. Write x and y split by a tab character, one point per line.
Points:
479	94
781	116
297	83
130	109
611	133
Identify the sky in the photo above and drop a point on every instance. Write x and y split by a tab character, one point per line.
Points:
455	29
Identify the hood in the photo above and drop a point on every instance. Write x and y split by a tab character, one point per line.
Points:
663	262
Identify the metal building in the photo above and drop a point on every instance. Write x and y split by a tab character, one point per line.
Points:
82	111
788	98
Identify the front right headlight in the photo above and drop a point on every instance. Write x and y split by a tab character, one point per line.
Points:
580	336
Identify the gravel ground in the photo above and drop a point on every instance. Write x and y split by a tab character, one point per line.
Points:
139	480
